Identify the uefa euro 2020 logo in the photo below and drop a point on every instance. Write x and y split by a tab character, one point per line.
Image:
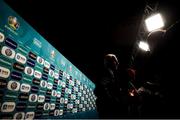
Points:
13	22
52	53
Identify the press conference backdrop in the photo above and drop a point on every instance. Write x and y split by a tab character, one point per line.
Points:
37	81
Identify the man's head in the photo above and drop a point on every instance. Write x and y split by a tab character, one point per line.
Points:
111	61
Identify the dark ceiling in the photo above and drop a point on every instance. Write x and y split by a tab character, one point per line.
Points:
85	31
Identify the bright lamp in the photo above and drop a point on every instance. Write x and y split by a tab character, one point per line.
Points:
144	46
154	22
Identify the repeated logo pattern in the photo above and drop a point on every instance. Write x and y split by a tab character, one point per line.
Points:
32	87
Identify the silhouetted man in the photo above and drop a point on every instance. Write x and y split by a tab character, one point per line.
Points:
110	90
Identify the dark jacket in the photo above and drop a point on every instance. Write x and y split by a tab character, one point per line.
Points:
111	95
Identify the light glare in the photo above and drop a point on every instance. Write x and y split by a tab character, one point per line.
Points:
154	22
144	46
